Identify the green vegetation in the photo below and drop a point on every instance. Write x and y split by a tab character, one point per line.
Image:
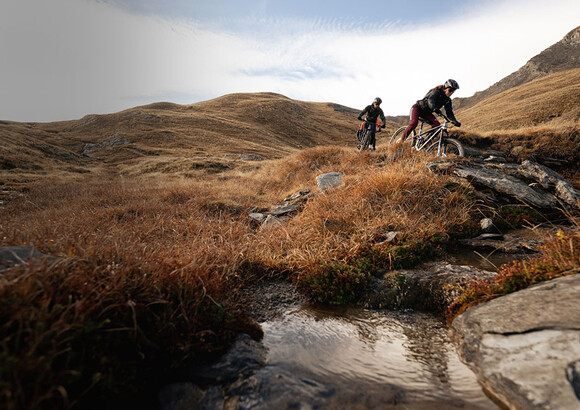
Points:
560	257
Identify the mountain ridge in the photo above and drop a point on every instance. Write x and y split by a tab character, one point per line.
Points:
561	56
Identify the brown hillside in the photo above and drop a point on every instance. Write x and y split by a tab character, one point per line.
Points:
552	101
563	55
538	120
170	138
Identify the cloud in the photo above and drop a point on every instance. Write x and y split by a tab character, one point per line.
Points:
66	58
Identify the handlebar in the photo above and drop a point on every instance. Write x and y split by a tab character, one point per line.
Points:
456	123
379	126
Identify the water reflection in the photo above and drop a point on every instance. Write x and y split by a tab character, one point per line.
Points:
321	357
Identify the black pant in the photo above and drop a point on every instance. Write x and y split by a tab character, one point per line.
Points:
372	127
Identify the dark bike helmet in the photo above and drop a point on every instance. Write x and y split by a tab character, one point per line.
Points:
451	84
378	101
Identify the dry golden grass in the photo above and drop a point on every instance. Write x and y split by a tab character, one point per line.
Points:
152	266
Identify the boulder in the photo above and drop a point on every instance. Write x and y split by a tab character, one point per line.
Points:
329	180
524	347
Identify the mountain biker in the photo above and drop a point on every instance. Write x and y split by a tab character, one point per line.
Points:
371	113
432	102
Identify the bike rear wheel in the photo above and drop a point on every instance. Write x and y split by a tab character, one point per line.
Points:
397	135
449	146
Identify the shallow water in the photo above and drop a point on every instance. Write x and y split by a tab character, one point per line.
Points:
350	358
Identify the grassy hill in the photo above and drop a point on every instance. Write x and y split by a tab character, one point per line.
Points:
185	140
552	101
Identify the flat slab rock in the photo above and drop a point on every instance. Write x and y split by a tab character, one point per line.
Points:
525	347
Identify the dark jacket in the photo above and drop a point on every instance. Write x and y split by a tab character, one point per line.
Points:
372	114
433	101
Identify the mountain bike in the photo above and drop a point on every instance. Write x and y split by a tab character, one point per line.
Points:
363	135
435	139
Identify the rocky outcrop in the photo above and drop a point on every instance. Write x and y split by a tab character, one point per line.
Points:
281	212
551	180
212	383
530	183
524	347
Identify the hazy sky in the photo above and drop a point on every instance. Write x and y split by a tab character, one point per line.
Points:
63	59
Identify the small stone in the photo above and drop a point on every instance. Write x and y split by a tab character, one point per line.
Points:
487	225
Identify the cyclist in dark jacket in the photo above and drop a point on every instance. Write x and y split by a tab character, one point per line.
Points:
435	99
373	112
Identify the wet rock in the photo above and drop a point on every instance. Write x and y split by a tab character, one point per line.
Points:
242	359
524	346
509	243
180	396
16	255
329	180
429	287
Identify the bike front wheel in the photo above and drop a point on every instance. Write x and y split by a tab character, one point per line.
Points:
449	146
364	141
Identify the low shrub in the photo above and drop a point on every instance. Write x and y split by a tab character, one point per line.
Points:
334	283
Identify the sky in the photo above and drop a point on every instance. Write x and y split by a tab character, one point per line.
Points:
64	59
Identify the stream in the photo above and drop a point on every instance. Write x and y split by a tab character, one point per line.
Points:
351	358
326	357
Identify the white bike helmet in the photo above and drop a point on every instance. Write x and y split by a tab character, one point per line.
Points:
451	84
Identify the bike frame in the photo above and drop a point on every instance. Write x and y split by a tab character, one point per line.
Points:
423	138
